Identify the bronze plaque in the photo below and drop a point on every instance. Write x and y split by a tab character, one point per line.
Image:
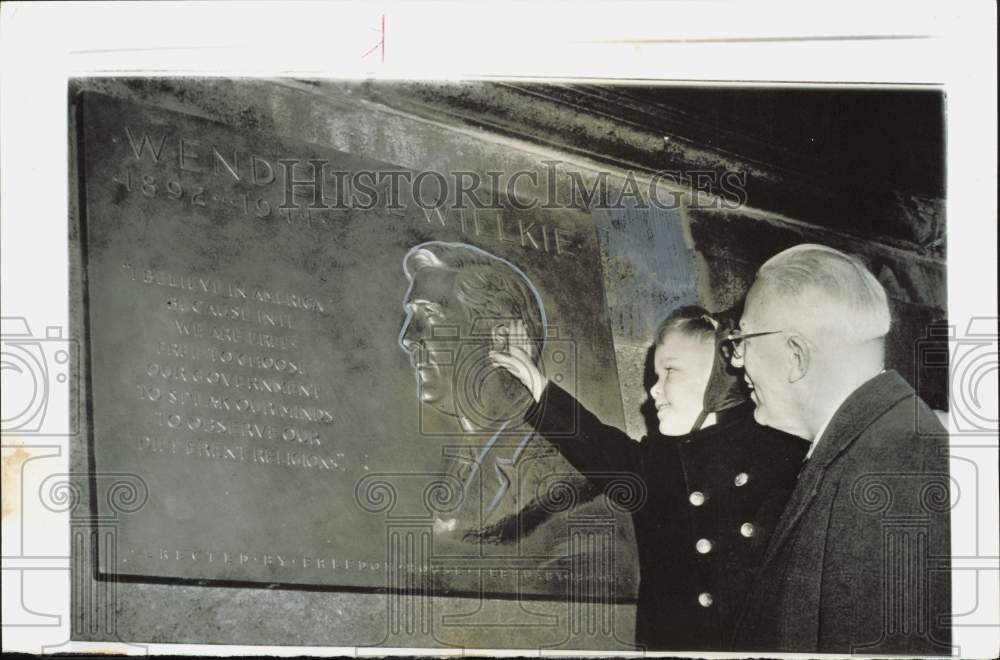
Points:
292	363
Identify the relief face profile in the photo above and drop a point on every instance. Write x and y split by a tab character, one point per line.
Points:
456	313
460	306
433	313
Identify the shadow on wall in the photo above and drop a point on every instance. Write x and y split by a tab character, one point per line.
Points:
648	408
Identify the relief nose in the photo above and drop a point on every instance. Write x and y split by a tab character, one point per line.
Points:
406	339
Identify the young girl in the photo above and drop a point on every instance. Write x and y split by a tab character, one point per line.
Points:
716	482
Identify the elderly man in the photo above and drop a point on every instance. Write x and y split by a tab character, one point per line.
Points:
859	562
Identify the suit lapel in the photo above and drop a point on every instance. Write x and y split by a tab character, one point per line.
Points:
859	411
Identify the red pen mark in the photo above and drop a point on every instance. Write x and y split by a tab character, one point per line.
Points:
380	46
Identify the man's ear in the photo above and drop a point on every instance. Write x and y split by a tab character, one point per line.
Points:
799	356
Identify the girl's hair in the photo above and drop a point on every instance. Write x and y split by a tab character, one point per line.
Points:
690	320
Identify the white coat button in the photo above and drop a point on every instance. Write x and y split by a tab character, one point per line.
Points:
741	479
704	546
697	498
747	529
705	599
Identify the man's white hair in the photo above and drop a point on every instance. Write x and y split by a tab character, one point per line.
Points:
829	289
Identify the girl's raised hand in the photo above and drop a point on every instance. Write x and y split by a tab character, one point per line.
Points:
517	359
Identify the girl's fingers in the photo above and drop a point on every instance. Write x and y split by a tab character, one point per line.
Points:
509	362
499	359
521	332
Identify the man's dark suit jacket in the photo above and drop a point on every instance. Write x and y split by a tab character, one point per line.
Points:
725	485
860	560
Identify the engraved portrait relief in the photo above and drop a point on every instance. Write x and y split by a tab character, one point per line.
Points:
459	306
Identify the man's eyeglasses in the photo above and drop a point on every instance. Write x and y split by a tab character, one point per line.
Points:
732	344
